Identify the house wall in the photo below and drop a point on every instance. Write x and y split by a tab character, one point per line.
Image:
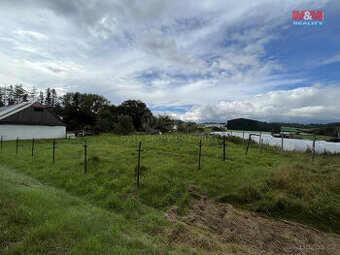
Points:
11	132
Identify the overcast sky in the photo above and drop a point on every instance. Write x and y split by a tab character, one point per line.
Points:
197	60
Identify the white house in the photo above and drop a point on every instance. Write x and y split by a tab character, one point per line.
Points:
30	120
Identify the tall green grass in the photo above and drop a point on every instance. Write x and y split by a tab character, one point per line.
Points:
286	186
37	219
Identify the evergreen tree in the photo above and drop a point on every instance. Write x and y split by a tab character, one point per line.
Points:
19	94
41	97
54	98
10	95
2	96
48	98
33	94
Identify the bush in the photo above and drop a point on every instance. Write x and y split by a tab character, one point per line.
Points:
187	127
217	129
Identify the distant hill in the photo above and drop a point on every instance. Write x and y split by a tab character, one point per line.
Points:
253	125
330	129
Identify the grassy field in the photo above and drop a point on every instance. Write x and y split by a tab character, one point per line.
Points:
310	137
282	186
308	133
38	219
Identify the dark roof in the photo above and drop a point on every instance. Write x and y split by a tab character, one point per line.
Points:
29	113
11	108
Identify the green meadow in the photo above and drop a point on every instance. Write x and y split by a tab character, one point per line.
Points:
55	208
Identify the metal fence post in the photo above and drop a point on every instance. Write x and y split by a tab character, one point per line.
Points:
281	143
248	144
32	147
313	148
224	138
138	163
199	155
17	145
85	156
53	151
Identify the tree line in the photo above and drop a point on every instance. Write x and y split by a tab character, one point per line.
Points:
16	94
94	113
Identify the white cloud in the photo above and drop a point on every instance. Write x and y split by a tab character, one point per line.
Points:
317	103
166	53
333	59
30	35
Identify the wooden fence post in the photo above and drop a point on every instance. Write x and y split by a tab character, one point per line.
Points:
138	163
261	143
17	145
260	137
313	148
32	147
224	138
53	151
199	155
85	156
248	144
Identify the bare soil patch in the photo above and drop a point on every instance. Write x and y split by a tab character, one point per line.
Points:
222	229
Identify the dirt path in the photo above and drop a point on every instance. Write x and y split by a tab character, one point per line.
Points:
221	229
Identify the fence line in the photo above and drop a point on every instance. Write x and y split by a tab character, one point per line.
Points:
250	138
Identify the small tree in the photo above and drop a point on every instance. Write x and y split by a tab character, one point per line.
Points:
217	129
124	125
187	127
165	123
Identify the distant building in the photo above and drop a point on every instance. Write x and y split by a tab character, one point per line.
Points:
30	120
253	125
213	124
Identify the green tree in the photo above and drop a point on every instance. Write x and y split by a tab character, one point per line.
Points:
41	97
48	98
10	95
136	110
20	94
124	125
82	109
33	93
105	121
2	96
54	97
187	127
165	123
